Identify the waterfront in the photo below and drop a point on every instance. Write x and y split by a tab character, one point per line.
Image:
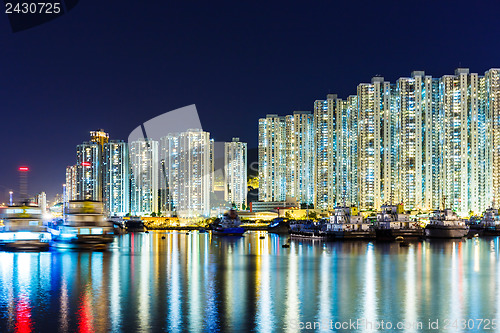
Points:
198	282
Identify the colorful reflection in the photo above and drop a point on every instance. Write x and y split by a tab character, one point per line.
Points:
178	281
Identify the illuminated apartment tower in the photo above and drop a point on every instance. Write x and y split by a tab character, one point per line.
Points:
464	182
235	173
116	178
347	157
325	125
88	172
272	175
299	156
491	105
377	144
187	179
433	143
418	122
144	177
168	173
71	189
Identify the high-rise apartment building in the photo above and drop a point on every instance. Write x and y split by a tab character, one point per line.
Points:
71	183
235	173
347	156
116	178
325	179
144	167
186	173
88	171
272	158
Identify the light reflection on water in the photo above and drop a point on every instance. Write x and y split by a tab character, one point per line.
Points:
196	282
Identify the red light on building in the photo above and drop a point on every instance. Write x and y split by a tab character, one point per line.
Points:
86	163
23	168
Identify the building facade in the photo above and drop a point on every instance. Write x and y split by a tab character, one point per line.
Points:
187	173
144	181
116	178
88	171
235	173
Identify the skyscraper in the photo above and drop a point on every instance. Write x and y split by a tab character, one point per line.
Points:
347	157
375	143
88	171
299	156
144	176
325	167
187	172
71	183
235	173
116	178
272	158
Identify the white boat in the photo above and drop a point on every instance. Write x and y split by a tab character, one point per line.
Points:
446	224
348	223
84	226
21	228
392	222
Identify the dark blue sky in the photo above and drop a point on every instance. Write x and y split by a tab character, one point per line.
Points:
115	64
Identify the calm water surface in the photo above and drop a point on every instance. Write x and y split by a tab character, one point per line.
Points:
196	282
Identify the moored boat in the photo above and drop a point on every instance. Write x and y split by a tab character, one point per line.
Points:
228	225
21	228
392	222
488	225
279	225
446	224
84	227
348	223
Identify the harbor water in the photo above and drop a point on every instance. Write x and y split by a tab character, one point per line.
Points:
180	281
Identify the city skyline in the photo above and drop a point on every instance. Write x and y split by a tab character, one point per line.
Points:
411	165
178	54
424	142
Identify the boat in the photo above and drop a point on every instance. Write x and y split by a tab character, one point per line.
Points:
392	223
488	225
279	225
228	225
308	229
84	227
22	229
445	223
347	223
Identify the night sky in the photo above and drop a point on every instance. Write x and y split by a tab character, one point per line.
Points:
116	64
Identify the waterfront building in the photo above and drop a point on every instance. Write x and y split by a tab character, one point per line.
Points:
116	178
325	125
235	173
71	183
144	167
299	156
347	157
491	105
187	173
272	158
377	128
88	171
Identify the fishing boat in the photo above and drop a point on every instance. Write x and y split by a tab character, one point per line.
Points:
279	225
392	222
308	229
84	226
445	223
21	228
488	225
228	225
348	223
